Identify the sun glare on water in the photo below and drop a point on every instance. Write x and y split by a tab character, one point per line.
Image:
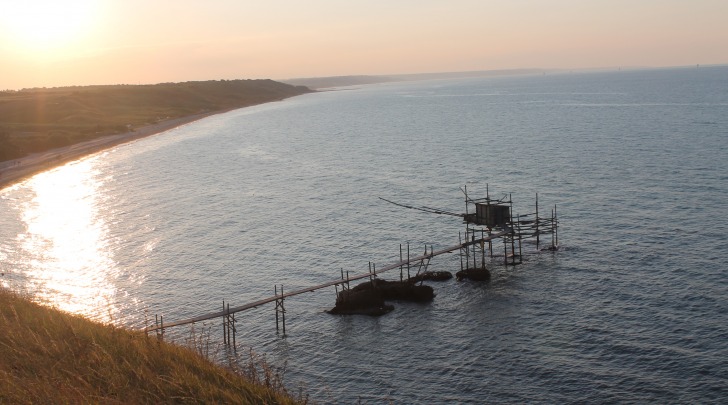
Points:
68	260
42	27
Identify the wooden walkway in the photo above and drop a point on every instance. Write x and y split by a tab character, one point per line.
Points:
282	296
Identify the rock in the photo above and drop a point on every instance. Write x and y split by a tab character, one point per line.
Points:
473	274
362	302
431	276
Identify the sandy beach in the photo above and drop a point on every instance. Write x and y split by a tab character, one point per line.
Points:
14	171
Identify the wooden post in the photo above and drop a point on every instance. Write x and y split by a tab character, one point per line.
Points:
343	282
556	225
408	262
461	250
227	319
466	200
553	230
234	330
520	249
513	244
537	235
283	309
505	249
467	247
475	265
280	308
482	253
224	324
400	263
488	219
275	289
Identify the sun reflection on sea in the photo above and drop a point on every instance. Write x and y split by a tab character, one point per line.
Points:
70	264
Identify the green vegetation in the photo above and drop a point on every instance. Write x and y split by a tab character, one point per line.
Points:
48	356
35	120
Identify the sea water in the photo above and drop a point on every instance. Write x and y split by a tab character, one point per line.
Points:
632	308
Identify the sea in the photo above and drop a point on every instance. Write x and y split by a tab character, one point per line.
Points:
632	308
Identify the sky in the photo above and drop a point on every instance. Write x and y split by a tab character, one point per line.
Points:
50	43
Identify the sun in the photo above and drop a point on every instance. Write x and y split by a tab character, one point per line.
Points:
45	26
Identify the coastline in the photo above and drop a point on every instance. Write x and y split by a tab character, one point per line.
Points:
17	170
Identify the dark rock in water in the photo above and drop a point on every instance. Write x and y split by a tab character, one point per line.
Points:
368	298
398	290
374	311
371	302
431	276
371	285
473	274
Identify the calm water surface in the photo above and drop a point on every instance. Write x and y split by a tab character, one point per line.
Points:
632	309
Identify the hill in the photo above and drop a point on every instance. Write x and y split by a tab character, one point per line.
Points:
40	119
48	356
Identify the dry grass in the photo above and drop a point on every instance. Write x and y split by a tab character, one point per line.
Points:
48	356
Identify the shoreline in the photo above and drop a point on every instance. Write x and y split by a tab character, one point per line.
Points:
15	171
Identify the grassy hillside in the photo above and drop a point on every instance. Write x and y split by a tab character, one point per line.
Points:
48	356
35	120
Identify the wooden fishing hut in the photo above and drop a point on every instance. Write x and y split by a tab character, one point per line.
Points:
487	215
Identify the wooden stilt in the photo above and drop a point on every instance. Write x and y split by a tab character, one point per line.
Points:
400	260
408	261
224	325
466	199
227	320
275	289
234	331
553	224
482	254
283	311
280	308
475	265
556	226
538	236
460	241
520	249
505	251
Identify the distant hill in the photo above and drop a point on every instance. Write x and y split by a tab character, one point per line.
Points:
337	81
344	81
475	73
39	119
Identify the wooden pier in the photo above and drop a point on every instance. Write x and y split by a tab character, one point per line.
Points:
279	295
